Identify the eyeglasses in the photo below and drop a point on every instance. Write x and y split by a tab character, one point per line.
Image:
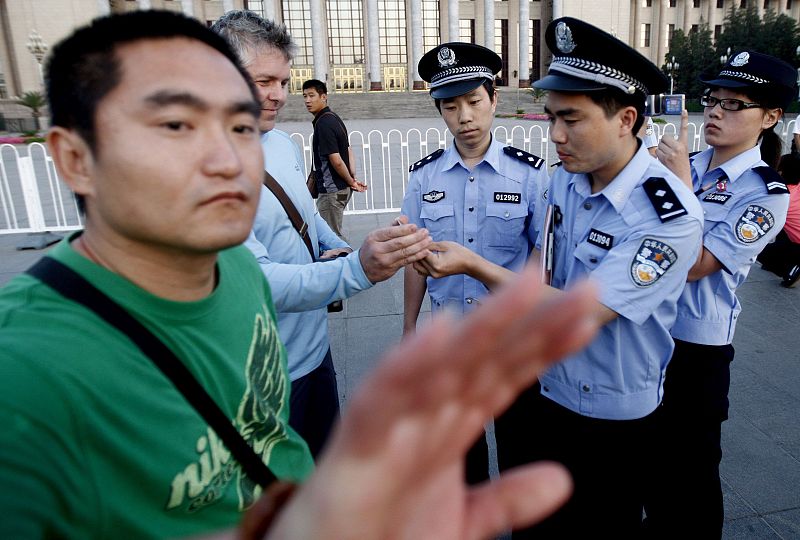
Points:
727	104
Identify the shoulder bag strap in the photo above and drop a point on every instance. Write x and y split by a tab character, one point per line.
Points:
74	287
291	210
339	121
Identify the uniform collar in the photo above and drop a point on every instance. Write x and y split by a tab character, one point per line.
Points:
452	158
733	168
619	190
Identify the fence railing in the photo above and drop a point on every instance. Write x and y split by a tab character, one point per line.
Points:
33	198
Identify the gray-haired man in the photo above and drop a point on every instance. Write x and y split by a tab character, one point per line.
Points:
302	287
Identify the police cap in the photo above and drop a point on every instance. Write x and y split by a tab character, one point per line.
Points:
587	59
750	69
453	69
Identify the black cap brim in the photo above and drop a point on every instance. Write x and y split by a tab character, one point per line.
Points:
565	83
725	83
457	89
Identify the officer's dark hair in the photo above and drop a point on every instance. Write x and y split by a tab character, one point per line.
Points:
317	85
789	168
487	84
611	100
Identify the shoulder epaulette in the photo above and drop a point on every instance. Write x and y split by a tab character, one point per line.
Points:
523	156
773	180
427	159
663	199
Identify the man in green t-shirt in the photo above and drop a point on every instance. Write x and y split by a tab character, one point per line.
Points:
155	130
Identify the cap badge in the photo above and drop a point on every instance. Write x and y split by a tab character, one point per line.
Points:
446	57
741	59
564	40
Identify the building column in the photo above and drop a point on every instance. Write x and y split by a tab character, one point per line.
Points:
558	11
373	47
655	33
416	44
269	10
187	7
318	41
103	7
488	25
227	5
524	38
452	20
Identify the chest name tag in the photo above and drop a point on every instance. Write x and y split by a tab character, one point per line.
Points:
433	196
651	262
716	197
503	197
600	239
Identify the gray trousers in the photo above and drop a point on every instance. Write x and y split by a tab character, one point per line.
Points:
331	208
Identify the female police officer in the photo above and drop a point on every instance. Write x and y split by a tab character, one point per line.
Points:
744	202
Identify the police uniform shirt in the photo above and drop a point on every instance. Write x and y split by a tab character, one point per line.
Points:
741	218
617	238
489	209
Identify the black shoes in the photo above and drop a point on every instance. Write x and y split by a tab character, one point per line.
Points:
791	276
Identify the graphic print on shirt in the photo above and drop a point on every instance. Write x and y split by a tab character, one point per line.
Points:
205	480
652	260
754	223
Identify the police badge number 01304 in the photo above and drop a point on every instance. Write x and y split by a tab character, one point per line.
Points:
754	223
652	260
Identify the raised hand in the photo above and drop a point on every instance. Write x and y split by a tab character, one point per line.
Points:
394	469
674	152
445	259
386	250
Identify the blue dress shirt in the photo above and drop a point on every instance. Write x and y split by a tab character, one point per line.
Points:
616	238
489	209
741	218
301	289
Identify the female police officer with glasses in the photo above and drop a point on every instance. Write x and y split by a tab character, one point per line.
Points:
744	202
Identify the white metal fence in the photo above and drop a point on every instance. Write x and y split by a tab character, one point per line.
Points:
33	198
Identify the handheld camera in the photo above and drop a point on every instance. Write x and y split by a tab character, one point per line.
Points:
657	105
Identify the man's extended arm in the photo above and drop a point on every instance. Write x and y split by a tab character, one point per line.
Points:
450	258
307	286
414	287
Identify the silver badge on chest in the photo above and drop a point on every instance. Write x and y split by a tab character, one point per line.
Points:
564	40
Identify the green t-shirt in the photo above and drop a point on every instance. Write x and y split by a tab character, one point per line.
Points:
97	443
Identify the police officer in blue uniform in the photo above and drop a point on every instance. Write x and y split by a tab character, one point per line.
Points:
478	193
745	203
624	221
